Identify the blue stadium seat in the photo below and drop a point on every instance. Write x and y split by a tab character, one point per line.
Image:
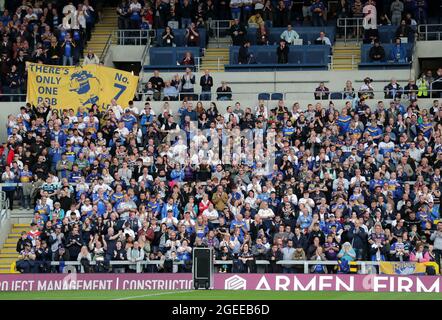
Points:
166	58
367	64
336	96
264	96
277	96
305	33
387	34
300	58
180	37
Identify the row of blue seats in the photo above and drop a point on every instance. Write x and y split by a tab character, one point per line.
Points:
307	34
265	58
386	64
387	34
167	58
180	37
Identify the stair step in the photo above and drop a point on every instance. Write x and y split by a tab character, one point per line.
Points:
21	225
8	261
11	241
8	255
8	250
10	245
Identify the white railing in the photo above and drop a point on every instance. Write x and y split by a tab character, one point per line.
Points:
349	24
429	32
4	207
220	29
141	264
135	37
288	95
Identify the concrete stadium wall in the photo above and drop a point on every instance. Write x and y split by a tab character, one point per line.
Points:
296	81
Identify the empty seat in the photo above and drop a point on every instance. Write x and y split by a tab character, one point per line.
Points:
264	96
277	96
336	96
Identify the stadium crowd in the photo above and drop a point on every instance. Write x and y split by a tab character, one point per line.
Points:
356	184
135	14
50	32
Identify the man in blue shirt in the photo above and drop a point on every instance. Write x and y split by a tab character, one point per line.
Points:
399	53
129	119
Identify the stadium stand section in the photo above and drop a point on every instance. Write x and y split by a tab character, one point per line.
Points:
279	174
307	57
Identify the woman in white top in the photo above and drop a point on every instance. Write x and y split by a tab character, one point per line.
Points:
265	212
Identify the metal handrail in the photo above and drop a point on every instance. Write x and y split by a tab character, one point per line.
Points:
216	26
4	205
423	30
343	23
106	48
136	37
305	263
287	95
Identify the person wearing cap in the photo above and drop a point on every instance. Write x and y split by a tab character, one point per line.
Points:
26	260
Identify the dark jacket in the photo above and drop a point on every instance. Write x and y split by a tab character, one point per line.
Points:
206	84
300	242
376	51
243	55
283	54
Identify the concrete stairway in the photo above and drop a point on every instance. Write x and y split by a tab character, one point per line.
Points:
8	254
215	59
346	56
103	29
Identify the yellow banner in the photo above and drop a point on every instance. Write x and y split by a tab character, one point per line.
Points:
402	268
72	87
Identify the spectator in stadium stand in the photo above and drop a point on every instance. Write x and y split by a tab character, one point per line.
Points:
134	14
423	86
256	20
396	9
393	90
224	92
67	48
289	35
404	30
170	93
318	10
238	33
349	91
206	83
281	14
377	52
123	15
322	39
398	53
91	58
192	35
244	56
436	237
187	83
282	52
262	35
168	37
157	84
321	92
188	59
436	85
